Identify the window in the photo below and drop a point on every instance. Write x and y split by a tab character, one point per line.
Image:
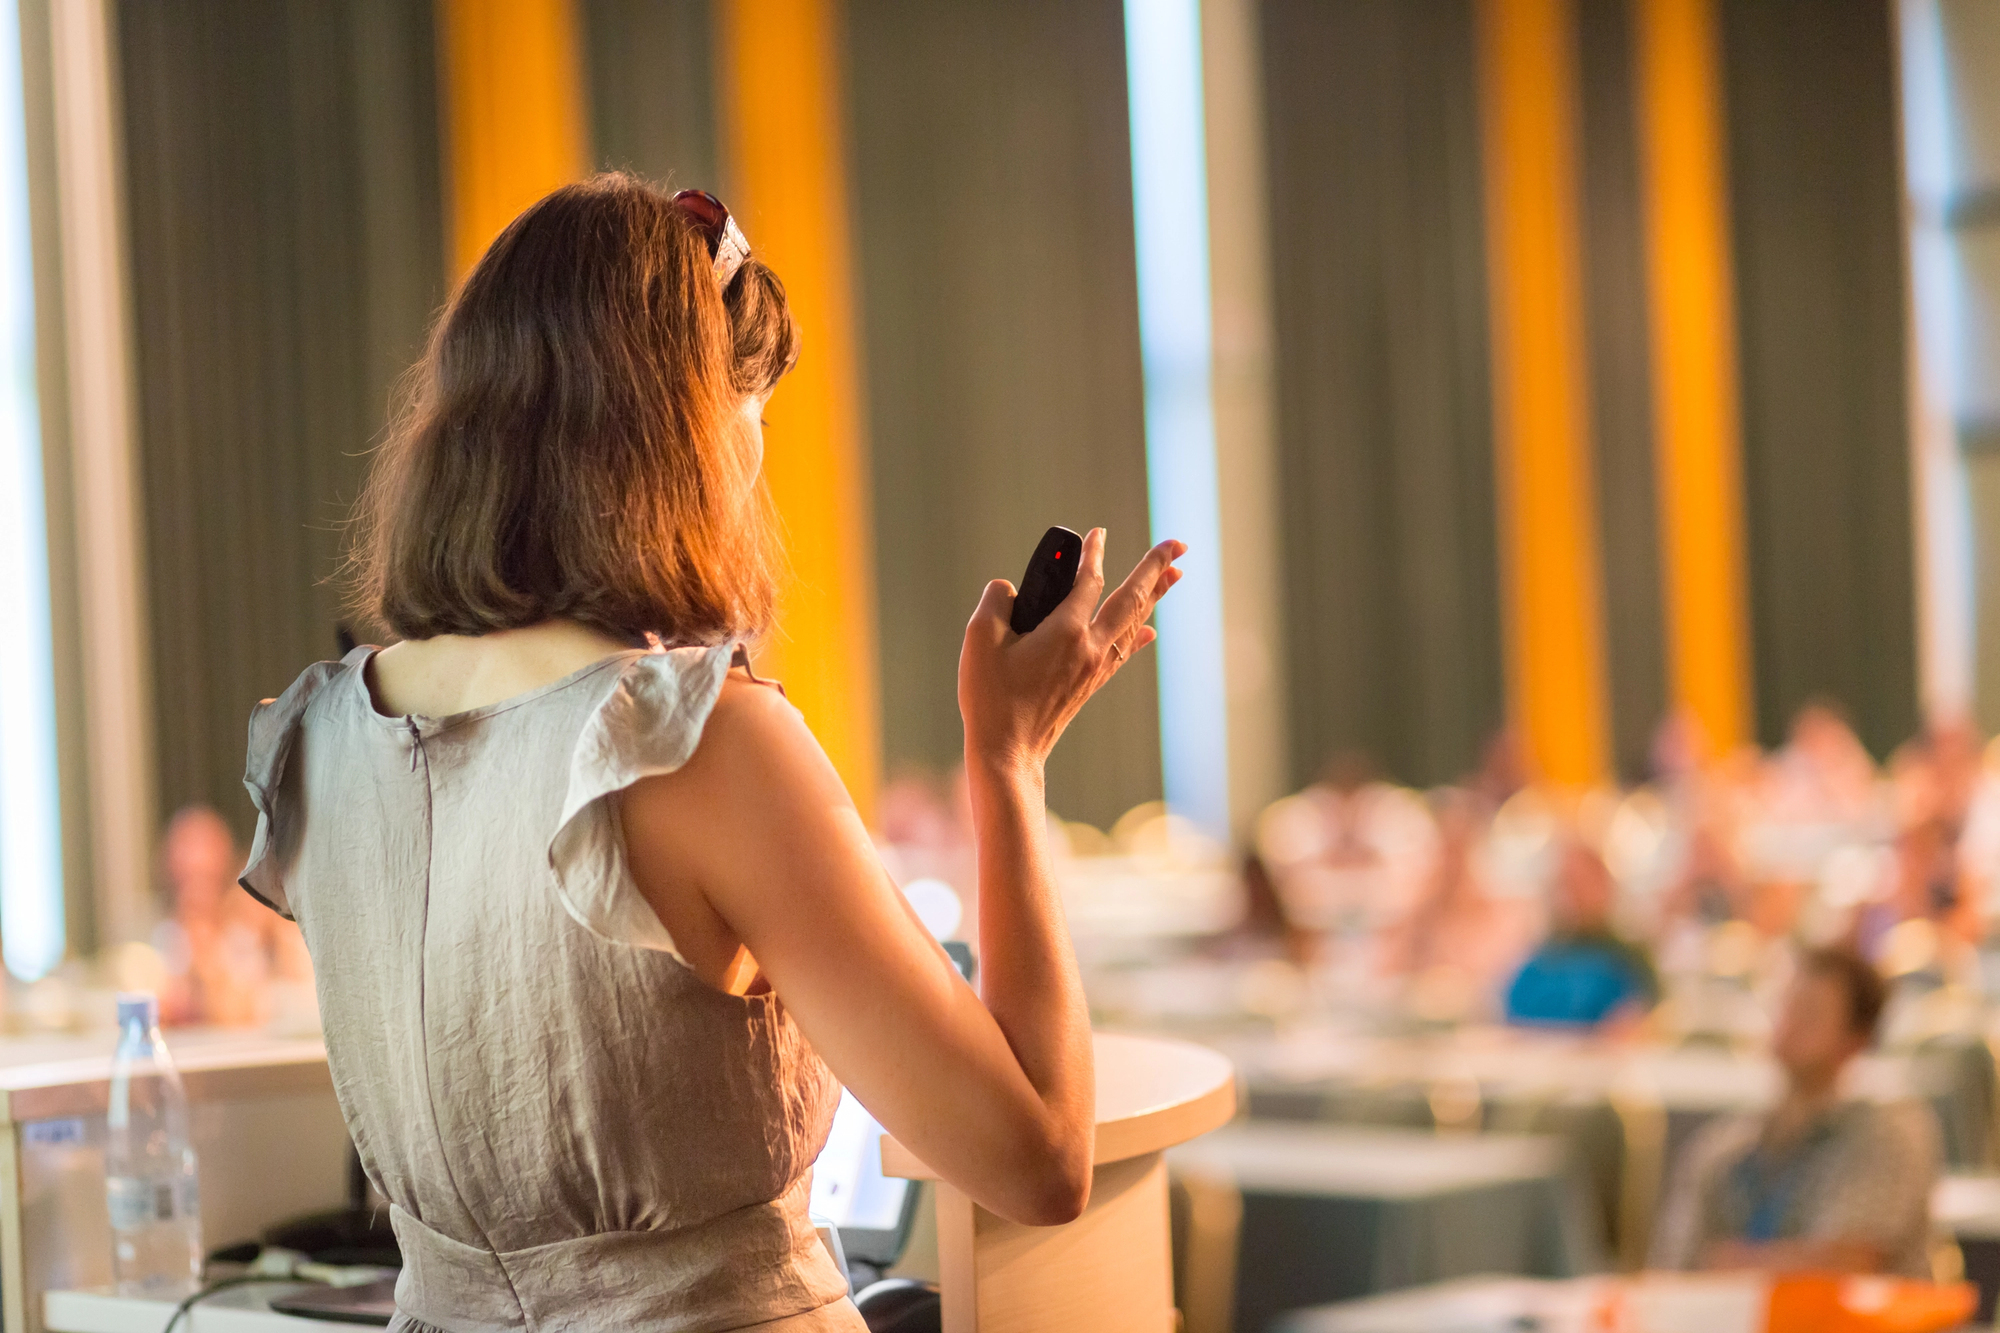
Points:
31	887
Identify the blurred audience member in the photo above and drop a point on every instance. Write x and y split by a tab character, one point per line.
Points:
1457	926
1819	1182
1935	774
1818	793
912	813
224	952
1348	854
1711	965
1927	871
1584	973
1675	758
1823	775
1924	885
1711	887
1503	770
924	831
1979	842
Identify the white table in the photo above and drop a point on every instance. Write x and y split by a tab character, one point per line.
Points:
1337	1212
236	1310
1603	1097
1721	1303
1645	1303
1967	1208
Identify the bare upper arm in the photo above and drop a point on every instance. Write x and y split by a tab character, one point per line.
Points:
760	826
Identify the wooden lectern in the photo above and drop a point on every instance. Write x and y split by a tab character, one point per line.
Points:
1111	1270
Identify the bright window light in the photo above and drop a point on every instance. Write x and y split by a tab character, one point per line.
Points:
1945	551
1170	219
31	888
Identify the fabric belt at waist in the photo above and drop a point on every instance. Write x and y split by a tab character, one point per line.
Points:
742	1268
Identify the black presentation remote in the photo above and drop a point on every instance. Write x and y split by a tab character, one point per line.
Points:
1051	574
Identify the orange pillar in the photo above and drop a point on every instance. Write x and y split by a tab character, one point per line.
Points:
787	168
511	91
1697	450
1551	588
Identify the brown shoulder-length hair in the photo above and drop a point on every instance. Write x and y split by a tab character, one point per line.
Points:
571	444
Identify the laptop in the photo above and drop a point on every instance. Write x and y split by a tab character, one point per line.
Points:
372	1303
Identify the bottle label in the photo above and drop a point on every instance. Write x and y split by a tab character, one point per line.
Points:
64	1133
137	1203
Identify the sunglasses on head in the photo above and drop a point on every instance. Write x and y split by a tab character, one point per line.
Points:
727	245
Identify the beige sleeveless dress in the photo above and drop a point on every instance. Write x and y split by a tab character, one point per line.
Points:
574	1131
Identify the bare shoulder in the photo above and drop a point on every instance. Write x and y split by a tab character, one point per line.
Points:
452	672
752	722
754	744
753	707
755	809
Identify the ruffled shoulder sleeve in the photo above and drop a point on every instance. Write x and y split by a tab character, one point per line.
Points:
274	727
649	724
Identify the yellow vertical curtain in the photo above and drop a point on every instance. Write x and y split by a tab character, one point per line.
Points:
1550	552
1697	450
787	169
514	123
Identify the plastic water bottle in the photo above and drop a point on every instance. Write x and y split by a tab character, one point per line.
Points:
149	1164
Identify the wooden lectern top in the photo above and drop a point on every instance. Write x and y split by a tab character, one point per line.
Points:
1152	1093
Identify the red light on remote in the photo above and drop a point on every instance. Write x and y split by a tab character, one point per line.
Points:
1058	555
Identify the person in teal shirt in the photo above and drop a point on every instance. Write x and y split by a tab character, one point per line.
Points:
1584	973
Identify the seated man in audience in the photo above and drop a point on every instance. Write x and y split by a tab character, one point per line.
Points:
1818	1183
1584	974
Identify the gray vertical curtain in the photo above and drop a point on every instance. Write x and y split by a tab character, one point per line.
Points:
1816	199
992	184
287	252
652	89
1621	400
1384	425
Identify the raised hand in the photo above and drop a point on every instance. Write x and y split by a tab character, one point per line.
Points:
1018	692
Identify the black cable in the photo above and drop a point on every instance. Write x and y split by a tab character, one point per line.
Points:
240	1280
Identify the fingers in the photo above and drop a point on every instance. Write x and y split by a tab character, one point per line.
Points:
1082	599
1128	639
1149	580
1121	651
996	604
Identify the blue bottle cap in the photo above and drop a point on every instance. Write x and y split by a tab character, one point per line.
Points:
142	1007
